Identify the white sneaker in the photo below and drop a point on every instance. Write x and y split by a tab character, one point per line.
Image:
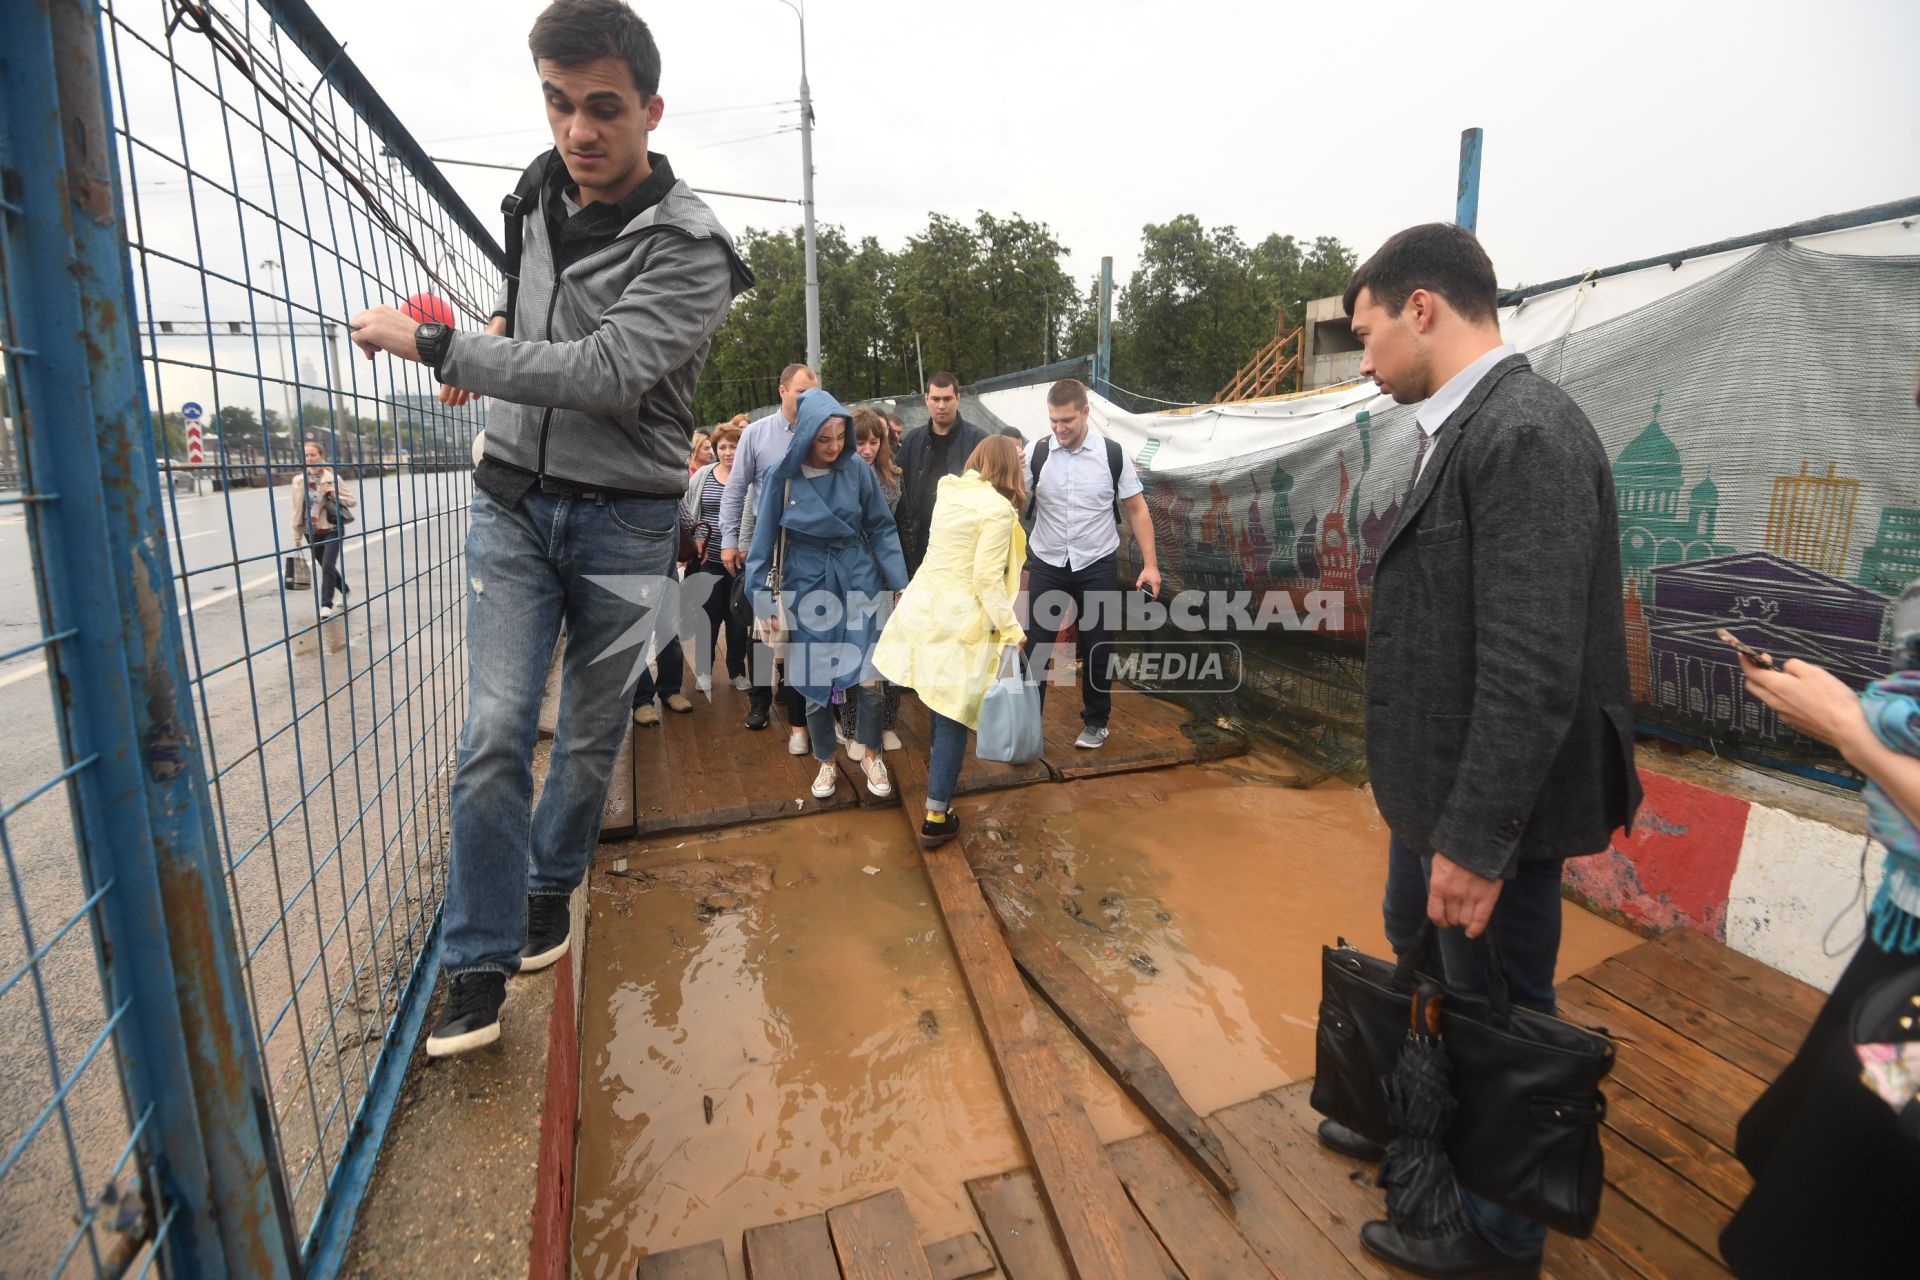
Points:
890	741
855	752
1091	739
839	734
703	683
826	782
877	781
742	683
797	744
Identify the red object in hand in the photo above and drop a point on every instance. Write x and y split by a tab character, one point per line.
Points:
425	308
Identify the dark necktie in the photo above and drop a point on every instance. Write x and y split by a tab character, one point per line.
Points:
1419	456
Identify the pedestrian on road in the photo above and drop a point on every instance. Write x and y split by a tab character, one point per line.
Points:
956	620
1078	479
622	279
320	515
823	515
762	446
940	448
1499	716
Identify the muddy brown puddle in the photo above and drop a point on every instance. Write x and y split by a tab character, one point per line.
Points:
775	1024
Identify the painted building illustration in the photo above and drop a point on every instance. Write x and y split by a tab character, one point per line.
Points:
1811	518
1893	558
1786	608
1655	527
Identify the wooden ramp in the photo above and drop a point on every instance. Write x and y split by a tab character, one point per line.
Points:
1700	1031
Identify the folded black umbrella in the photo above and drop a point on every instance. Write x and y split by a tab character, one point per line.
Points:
1423	1193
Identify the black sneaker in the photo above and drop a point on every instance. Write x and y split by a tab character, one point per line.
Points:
549	930
472	1016
935	834
759	715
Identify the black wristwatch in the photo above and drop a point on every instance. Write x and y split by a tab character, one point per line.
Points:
432	339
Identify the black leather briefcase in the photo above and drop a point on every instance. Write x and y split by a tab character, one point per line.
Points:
1527	1132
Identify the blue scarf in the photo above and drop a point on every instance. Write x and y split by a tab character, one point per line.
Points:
1892	707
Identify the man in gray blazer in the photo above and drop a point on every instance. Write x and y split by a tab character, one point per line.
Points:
1499	713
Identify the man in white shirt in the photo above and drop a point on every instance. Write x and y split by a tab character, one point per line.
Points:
1077	477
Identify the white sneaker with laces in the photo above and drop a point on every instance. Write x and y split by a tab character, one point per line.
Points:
876	770
1091	739
742	684
890	741
826	782
797	743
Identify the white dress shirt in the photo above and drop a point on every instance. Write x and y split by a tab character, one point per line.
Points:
1440	405
1073	520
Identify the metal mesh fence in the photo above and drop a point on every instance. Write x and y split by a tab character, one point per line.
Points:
267	196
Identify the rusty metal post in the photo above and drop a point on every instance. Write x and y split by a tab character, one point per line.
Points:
141	811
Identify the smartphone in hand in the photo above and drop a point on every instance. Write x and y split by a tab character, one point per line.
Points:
1745	650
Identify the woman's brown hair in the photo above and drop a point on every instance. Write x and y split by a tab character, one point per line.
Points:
871	424
1002	465
721	434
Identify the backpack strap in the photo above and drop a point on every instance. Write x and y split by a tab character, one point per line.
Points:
1115	459
1035	465
524	200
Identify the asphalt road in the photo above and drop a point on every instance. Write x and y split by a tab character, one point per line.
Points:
323	745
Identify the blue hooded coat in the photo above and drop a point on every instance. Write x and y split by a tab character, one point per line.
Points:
842	557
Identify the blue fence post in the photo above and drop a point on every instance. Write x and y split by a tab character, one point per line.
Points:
142	813
1466	200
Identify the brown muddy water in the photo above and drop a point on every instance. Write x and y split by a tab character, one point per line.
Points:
775	1023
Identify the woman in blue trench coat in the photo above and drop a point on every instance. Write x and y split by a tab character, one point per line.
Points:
823	517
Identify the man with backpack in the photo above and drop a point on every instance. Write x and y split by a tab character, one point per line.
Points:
618	278
1077	480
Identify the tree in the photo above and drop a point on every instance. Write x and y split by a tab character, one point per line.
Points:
1192	311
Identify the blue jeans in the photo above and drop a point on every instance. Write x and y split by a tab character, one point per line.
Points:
822	719
673	670
528	569
1526	925
946	752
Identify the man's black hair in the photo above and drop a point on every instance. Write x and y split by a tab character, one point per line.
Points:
1437	256
571	32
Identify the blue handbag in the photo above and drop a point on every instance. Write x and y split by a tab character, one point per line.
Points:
1009	731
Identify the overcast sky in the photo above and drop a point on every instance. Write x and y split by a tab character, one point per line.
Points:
1623	130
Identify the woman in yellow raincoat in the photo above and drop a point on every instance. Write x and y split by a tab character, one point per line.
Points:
948	632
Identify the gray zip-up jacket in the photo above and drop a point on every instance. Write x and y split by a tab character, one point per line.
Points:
596	388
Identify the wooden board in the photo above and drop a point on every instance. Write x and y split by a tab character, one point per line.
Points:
1091	1015
875	1240
1737	999
706	769
695	1262
1679	1011
1102	1234
1332	1191
960	1257
616	821
976	775
1018	1227
801	1249
1289	1227
1143	733
1639	1240
1187	1218
1677	1146
1689	1212
1745	972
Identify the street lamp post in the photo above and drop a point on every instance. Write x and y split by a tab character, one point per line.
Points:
806	178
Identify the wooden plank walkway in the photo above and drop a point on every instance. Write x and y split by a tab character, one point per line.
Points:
1700	1031
705	769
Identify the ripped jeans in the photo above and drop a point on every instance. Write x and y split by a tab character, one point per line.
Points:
594	564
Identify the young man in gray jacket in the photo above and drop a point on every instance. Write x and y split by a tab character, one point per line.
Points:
624	277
